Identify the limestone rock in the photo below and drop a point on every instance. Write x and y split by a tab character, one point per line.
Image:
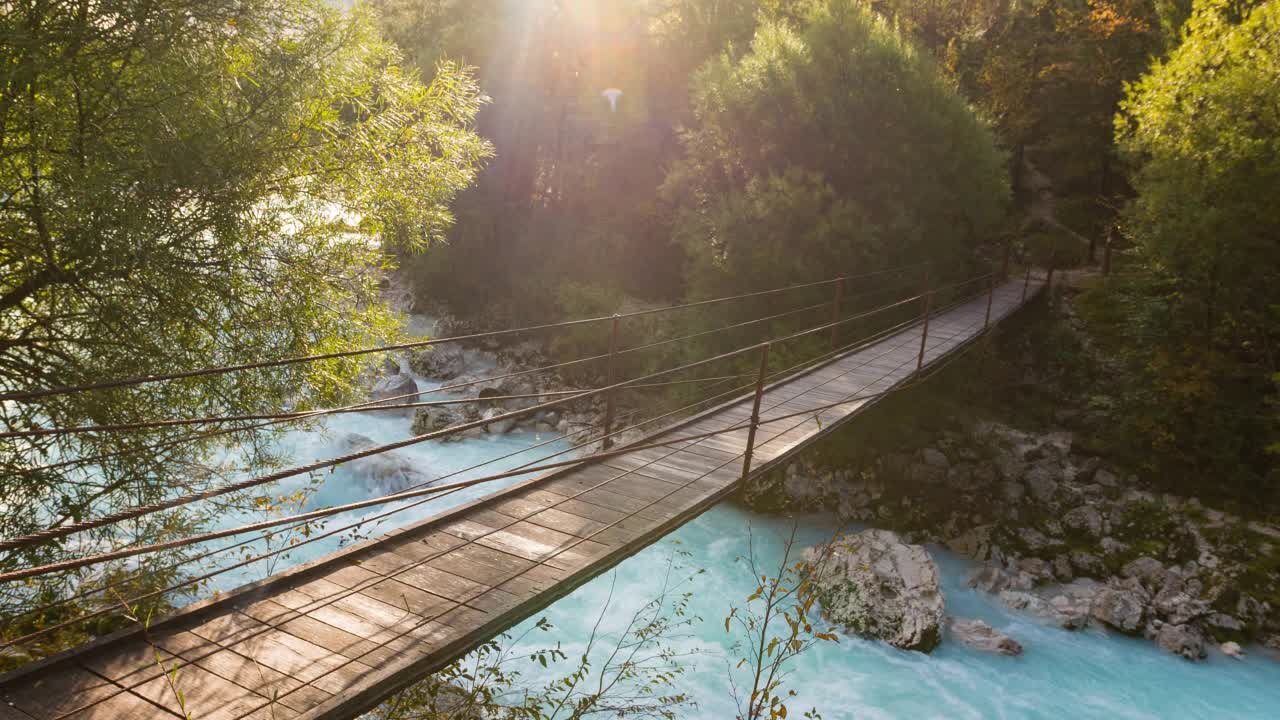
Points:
1184	640
1085	469
1105	478
1062	569
1033	539
393	387
1149	571
935	458
1120	608
992	579
974	543
1042	482
1087	564
442	362
1070	611
497	427
1012	491
1085	520
1111	546
981	636
431	419
383	473
875	585
1037	568
1232	649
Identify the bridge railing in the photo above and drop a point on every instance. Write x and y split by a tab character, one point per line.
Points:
931	301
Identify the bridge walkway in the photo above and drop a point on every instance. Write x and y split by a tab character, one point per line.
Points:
332	638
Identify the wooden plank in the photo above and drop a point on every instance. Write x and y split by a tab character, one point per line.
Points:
129	662
583	509
9	712
55	694
320	633
532	542
566	522
644	486
119	707
321	669
489	568
207	696
418	601
253	673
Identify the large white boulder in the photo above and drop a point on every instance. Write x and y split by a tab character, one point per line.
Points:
877	586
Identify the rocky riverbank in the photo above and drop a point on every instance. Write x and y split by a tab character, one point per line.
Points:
1062	534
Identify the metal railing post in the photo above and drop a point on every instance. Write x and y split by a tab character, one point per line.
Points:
924	334
1025	282
1106	258
991	295
610	404
1048	279
755	411
835	314
1004	264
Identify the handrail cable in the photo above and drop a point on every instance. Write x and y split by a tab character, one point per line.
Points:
849	347
83	525
165	377
394	497
382	403
423	621
378	518
363	521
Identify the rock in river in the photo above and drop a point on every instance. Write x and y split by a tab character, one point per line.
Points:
383	473
431	419
877	586
443	362
981	636
393	388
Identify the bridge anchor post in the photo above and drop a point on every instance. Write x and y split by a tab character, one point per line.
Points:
1026	281
755	411
924	335
991	295
835	314
610	405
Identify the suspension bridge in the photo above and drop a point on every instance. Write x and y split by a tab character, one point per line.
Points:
334	637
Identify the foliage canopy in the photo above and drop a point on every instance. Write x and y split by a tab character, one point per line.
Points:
833	144
196	183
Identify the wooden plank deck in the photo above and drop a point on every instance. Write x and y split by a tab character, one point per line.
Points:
332	638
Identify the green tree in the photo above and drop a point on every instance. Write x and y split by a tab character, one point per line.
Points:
195	183
1201	133
833	145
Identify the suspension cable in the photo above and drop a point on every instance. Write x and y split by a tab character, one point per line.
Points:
389	403
383	404
814	361
264	364
83	525
415	563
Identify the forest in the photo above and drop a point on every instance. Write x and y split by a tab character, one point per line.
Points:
190	184
751	149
